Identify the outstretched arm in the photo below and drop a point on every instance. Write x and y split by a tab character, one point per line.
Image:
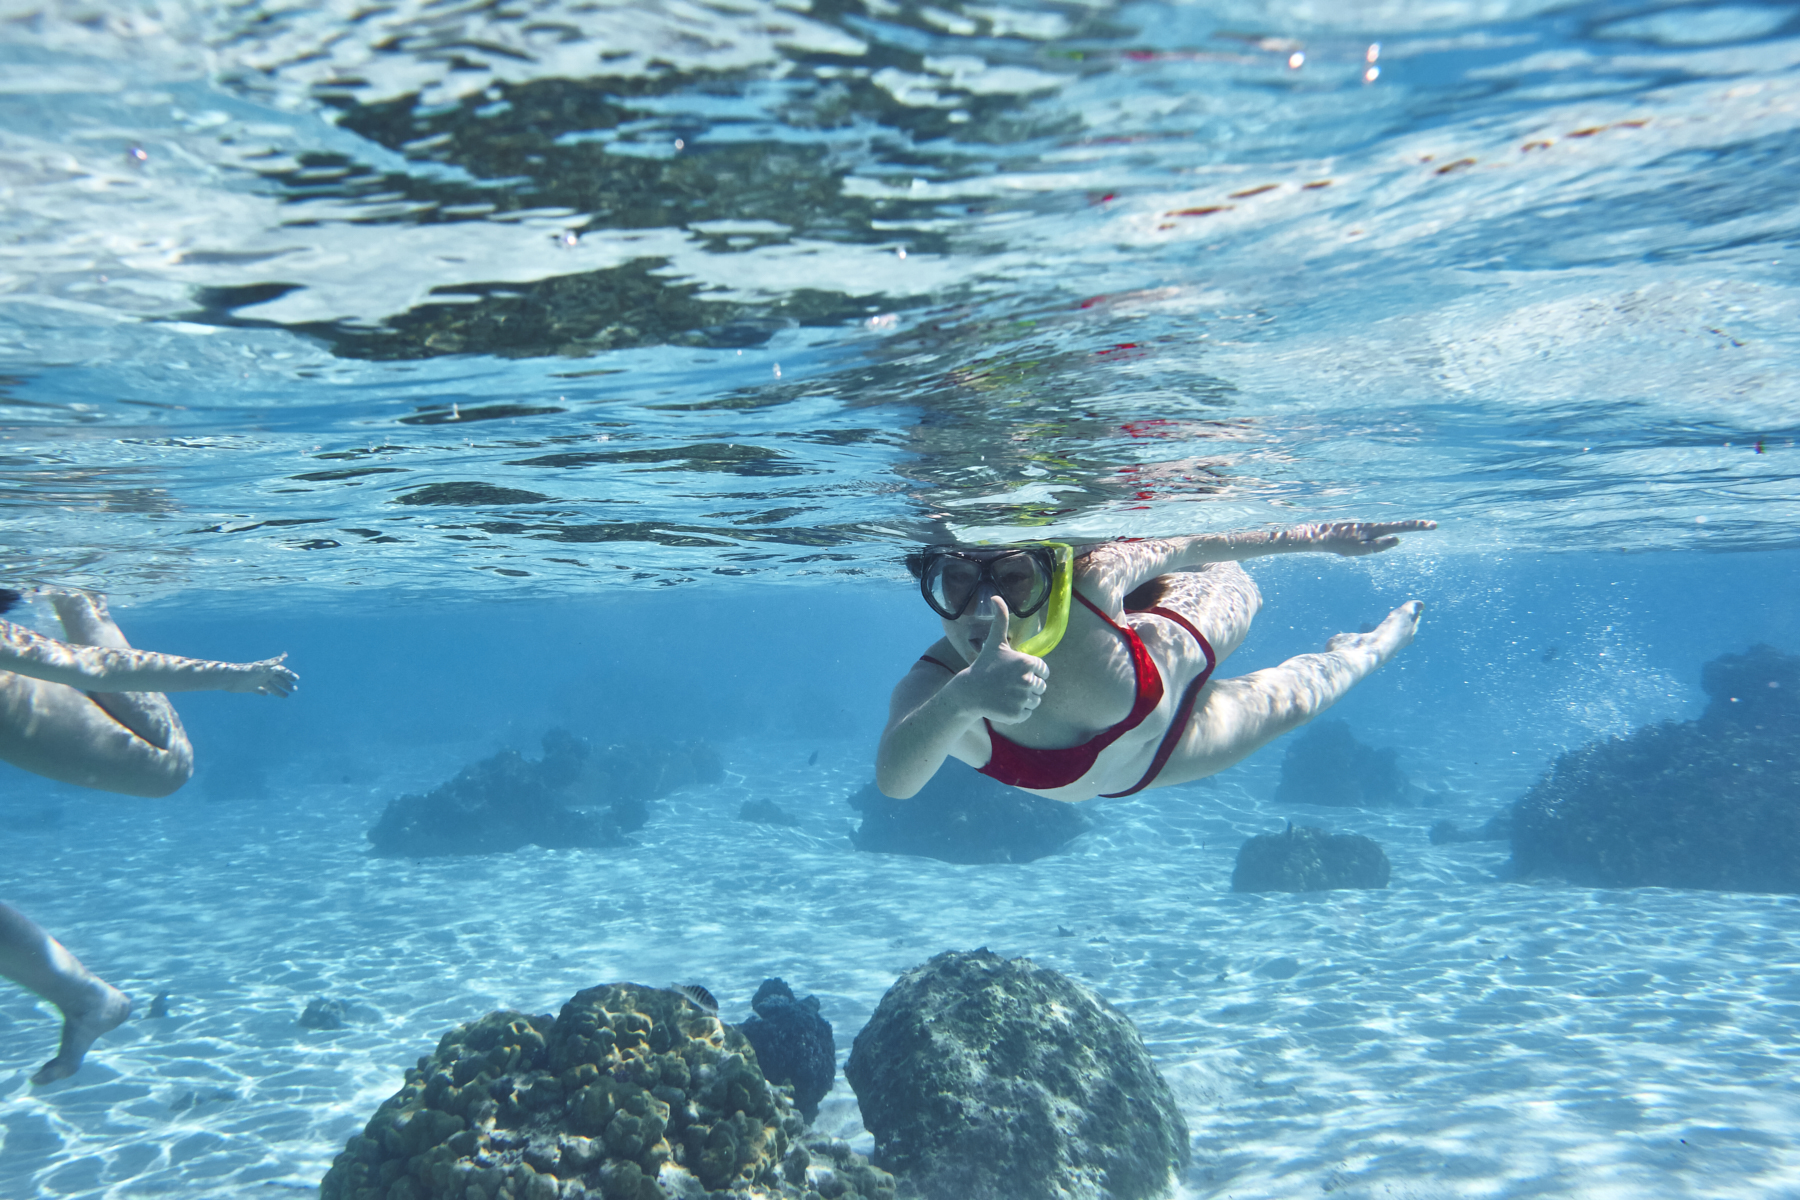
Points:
104	669
1110	570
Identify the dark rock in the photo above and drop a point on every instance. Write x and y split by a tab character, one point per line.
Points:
1758	690
631	1092
1711	803
962	816
496	805
324	1013
793	1044
991	1079
509	801
1304	859
159	1008
766	812
1327	765
1446	832
1497	828
626	776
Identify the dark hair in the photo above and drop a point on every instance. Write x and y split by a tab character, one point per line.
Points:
8	598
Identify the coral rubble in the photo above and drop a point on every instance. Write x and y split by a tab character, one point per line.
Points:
1710	803
630	1093
1305	859
793	1043
962	816
985	1078
1327	765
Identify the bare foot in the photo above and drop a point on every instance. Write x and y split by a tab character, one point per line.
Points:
1386	639
81	1025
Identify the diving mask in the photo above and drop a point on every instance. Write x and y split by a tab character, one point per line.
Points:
1030	578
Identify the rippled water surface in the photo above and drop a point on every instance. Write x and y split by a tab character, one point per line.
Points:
547	296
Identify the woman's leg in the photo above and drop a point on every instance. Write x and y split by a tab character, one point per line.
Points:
55	731
90	1006
126	742
1235	717
87	622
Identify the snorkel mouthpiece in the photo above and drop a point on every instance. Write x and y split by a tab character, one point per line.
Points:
1056	613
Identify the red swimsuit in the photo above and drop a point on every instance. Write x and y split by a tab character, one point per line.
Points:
1055	767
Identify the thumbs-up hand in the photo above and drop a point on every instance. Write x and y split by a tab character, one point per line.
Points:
1002	684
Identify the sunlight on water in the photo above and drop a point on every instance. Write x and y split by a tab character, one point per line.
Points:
1070	268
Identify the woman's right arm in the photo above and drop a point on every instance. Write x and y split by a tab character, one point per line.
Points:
926	716
929	712
101	669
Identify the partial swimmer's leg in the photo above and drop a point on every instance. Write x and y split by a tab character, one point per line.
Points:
60	733
90	1006
85	618
1235	717
1219	599
87	622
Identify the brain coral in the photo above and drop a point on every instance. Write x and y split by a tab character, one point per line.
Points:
631	1093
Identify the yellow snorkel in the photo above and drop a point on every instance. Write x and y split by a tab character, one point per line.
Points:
1055	621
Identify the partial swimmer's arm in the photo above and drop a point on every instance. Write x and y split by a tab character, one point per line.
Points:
101	669
1109	571
932	708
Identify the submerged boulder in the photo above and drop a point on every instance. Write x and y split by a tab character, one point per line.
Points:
630	1093
1497	828
1327	765
793	1043
322	1013
1710	803
962	816
625	776
1305	859
507	801
985	1078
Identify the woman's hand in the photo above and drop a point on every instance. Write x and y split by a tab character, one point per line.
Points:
1350	538
265	678
1002	684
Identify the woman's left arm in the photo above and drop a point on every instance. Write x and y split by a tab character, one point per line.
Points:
1110	570
102	669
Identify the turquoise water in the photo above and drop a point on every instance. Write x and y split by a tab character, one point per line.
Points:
524	365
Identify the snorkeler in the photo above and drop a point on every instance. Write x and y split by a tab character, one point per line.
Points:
1134	631
90	711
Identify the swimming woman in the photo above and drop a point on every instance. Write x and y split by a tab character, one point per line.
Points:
1131	632
90	710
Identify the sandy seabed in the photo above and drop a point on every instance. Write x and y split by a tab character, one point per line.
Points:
1455	1035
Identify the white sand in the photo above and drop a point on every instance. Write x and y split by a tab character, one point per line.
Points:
1451	1036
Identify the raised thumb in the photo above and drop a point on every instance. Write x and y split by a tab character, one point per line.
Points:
998	628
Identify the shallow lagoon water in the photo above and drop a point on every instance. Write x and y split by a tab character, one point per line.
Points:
1460	1033
517	367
